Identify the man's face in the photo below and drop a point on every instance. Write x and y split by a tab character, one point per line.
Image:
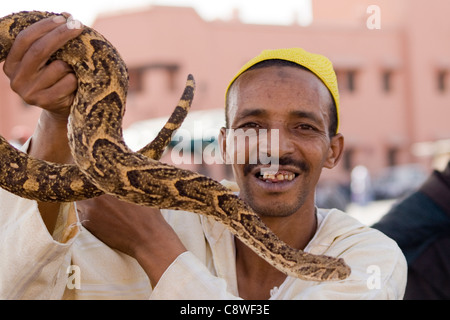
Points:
295	103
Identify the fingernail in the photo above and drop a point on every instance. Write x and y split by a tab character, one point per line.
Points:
59	19
73	24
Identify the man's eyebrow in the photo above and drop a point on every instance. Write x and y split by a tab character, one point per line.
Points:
299	114
304	114
251	113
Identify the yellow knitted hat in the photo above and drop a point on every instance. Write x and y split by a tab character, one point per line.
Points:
317	64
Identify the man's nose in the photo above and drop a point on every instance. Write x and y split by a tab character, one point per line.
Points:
278	143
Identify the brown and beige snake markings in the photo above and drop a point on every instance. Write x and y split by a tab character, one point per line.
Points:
104	164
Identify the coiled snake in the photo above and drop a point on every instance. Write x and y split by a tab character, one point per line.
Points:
104	164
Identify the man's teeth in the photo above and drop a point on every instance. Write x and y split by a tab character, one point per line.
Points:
278	176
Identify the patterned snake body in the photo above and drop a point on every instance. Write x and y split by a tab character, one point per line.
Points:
104	164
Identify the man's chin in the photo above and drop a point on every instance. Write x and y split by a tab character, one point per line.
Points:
273	206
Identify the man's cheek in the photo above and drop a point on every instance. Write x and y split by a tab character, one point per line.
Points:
253	146
242	146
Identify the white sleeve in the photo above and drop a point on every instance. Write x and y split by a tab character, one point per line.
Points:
369	289
189	279
33	264
378	273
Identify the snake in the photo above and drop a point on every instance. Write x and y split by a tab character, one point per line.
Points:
104	164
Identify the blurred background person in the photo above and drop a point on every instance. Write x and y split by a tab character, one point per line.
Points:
421	226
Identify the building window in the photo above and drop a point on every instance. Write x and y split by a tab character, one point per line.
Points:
442	80
171	77
392	155
135	80
136	76
348	159
387	80
346	80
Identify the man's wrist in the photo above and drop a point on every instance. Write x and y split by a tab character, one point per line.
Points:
49	141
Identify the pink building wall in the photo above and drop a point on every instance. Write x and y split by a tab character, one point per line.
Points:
164	44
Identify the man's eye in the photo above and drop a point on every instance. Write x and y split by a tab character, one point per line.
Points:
305	126
251	125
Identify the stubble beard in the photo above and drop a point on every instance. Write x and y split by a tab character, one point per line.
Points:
275	208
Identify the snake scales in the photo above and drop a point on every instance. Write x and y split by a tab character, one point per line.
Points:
104	164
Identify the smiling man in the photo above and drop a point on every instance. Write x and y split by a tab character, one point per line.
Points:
293	93
181	255
281	95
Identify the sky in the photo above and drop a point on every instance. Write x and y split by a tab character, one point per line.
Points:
250	11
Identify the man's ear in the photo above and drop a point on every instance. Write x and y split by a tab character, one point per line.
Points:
335	151
223	144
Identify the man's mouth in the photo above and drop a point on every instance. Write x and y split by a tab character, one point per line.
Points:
275	177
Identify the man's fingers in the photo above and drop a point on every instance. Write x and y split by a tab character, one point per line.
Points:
49	86
52	73
59	97
26	38
41	49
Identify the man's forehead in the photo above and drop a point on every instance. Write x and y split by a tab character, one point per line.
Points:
318	64
265	77
306	89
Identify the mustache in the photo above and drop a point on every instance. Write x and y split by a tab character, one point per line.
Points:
302	166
